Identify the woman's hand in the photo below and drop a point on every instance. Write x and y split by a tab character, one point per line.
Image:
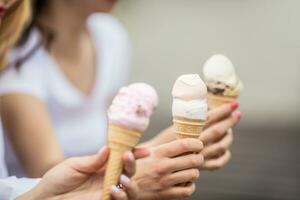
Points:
160	176
82	178
218	137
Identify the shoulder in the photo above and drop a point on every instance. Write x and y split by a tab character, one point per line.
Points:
26	80
29	78
32	56
107	23
109	28
115	51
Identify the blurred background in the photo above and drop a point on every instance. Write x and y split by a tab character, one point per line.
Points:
262	38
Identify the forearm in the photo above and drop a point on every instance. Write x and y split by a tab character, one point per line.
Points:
29	116
163	137
31	195
36	193
37	156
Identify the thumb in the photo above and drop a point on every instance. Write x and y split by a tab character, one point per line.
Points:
89	164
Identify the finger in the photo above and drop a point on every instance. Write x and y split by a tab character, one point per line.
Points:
118	194
221	112
178	192
180	163
131	187
219	148
218	163
218	130
129	163
178	147
140	152
89	164
190	175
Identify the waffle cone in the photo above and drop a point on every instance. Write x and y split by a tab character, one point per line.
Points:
187	128
119	140
215	101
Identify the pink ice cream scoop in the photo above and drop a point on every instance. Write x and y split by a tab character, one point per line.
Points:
133	106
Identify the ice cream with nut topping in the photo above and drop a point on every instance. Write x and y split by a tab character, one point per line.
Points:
221	78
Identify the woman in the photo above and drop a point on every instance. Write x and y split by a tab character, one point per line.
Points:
14	21
75	178
69	66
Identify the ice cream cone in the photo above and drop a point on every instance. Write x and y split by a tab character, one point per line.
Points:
222	81
187	128
215	101
128	116
119	140
189	106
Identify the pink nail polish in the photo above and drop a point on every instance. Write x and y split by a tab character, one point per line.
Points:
238	116
234	105
2	11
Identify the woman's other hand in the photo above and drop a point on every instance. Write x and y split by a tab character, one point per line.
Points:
160	176
218	136
82	178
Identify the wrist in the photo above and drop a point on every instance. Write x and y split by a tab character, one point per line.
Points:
30	195
34	194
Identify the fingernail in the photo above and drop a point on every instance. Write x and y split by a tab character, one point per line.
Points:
234	105
130	156
237	115
115	189
101	150
142	150
124	179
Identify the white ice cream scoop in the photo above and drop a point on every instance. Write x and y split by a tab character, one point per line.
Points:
189	97
219	68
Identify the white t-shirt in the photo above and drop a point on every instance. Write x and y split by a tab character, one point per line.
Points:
12	187
79	120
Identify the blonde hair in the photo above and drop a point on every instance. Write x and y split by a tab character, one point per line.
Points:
11	27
